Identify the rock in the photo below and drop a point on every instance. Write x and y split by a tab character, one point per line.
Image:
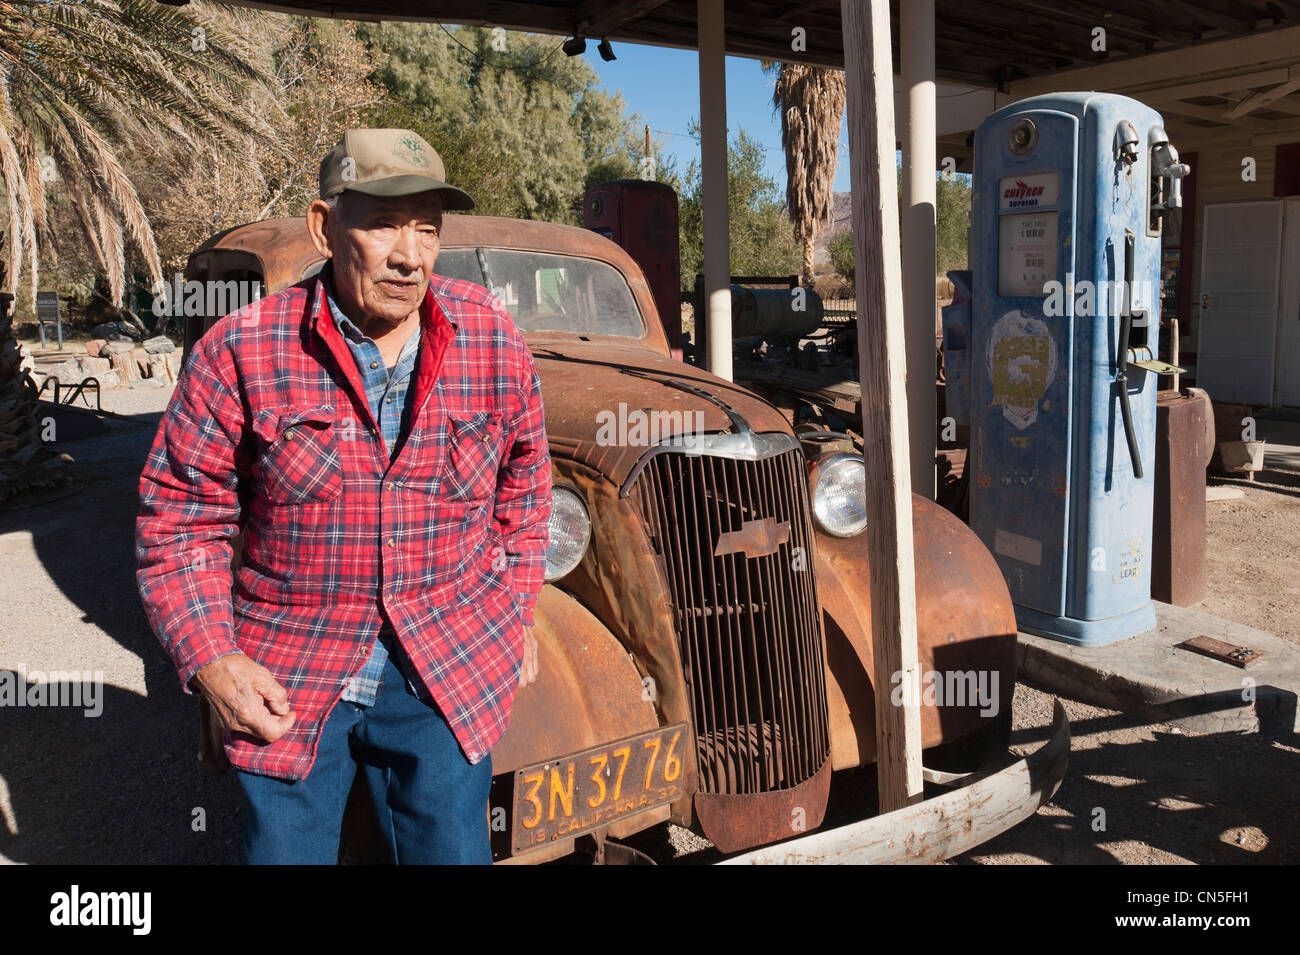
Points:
116	331
159	345
112	348
149	383
95	348
108	380
76	370
173	366
25	361
69	372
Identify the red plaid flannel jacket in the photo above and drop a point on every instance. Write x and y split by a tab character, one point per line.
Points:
269	431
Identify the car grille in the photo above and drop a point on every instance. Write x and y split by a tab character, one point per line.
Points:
749	626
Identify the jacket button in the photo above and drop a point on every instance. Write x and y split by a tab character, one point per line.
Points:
392	542
374	364
288	435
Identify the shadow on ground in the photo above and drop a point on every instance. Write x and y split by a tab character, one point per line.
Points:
1214	799
121	787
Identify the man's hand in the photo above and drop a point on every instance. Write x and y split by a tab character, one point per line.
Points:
245	697
528	672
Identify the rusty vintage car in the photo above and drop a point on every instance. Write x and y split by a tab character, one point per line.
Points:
705	643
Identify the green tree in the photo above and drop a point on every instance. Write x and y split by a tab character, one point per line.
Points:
762	242
952	222
952	230
840	248
508	107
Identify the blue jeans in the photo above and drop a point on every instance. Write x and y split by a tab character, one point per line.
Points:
431	803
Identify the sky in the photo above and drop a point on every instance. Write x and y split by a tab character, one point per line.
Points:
663	86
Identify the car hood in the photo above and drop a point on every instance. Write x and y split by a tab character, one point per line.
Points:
592	390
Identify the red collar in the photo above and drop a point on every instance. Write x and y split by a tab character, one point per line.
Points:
437	332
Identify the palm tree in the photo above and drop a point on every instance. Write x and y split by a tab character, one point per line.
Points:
78	77
811	102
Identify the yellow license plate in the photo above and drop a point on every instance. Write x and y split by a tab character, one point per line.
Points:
564	798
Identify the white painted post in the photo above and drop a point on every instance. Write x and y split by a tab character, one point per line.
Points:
713	183
869	73
916	51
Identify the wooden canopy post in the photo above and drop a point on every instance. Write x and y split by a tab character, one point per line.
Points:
713	184
916	53
869	74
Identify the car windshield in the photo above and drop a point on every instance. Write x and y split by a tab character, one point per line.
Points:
545	292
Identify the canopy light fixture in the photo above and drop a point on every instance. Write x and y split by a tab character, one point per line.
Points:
575	46
606	51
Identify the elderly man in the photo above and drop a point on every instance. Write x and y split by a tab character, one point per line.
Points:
376	431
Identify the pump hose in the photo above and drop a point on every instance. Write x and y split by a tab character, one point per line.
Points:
1126	412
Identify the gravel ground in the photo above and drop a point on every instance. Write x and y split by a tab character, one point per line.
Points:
122	788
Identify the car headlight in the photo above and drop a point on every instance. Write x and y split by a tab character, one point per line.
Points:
570	530
839	493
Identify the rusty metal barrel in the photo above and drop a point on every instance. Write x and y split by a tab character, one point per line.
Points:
774	313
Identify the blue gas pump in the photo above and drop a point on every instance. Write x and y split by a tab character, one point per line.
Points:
1057	348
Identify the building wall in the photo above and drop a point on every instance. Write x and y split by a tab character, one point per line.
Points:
1218	179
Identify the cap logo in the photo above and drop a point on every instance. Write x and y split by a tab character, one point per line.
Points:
411	150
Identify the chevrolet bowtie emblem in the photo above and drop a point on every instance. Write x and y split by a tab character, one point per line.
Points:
754	539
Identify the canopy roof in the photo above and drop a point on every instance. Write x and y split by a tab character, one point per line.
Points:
978	42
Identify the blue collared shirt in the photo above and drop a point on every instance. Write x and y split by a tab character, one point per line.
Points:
388	392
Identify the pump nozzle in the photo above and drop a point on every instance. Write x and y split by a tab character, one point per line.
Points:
1165	165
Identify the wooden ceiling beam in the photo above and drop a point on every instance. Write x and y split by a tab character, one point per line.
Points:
1214	115
1261	98
1076	49
594	17
1134	28
1171	67
1186	10
1215	87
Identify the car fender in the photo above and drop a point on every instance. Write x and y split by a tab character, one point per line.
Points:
965	622
588	691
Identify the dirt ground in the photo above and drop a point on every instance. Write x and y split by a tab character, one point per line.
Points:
123	788
1253	557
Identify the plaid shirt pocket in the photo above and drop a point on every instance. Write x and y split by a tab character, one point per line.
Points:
473	457
300	457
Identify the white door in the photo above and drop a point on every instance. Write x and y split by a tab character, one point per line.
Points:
1288	313
1241	244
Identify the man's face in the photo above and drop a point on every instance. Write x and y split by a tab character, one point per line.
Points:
383	250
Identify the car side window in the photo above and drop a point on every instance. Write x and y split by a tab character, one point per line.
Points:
459	264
